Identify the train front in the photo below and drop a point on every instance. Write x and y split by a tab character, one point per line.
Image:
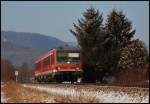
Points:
68	65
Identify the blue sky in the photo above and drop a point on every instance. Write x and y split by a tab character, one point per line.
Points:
55	18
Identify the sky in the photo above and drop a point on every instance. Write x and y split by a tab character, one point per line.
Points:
55	18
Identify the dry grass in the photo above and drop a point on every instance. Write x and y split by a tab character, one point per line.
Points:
67	93
18	94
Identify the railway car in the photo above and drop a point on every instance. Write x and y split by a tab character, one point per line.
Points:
59	65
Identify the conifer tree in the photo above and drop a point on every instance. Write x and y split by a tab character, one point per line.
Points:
90	34
120	34
119	28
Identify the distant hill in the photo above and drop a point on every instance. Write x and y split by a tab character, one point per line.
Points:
18	54
35	40
21	47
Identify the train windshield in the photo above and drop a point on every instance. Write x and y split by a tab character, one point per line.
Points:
68	57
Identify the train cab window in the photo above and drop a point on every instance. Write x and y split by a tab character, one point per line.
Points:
62	57
73	57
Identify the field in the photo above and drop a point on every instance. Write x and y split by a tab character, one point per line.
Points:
69	93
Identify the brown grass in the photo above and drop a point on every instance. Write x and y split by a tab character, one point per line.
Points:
19	94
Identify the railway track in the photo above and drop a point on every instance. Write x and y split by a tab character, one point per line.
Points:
96	84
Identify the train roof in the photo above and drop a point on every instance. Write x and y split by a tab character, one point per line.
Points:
50	52
70	50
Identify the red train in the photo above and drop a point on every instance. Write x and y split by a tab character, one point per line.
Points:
59	65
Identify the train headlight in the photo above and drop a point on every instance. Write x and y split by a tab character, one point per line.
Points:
58	68
77	68
68	62
54	70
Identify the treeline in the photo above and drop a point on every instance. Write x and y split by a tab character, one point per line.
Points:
8	72
108	48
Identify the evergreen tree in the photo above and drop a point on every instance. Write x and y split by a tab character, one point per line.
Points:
101	46
90	35
119	28
120	33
